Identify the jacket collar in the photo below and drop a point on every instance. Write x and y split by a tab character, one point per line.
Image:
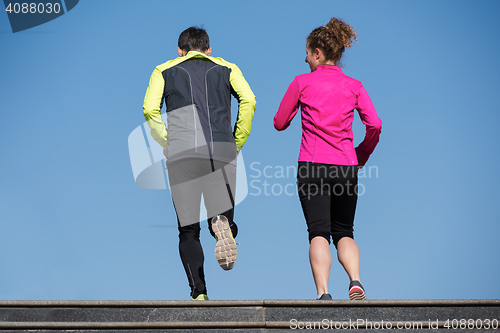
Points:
329	67
192	54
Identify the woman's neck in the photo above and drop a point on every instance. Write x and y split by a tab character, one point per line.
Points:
328	62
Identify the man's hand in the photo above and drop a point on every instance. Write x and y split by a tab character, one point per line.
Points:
165	153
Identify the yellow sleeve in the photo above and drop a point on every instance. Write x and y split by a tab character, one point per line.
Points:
151	108
246	106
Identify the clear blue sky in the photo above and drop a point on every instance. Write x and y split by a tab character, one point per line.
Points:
74	225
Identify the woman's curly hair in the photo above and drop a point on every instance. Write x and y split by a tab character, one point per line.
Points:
332	38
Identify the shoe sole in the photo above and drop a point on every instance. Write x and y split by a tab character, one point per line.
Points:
225	249
357	294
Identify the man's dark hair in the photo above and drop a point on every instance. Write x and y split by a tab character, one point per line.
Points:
194	38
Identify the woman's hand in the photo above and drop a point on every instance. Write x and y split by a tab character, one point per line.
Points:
361	161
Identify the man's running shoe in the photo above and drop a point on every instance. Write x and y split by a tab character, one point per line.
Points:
201	297
325	297
225	249
356	291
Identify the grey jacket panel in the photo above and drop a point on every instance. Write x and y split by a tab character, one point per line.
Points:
185	133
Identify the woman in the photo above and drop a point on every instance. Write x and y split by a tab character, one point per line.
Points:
328	161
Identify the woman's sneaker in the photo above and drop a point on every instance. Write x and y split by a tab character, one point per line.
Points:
225	249
356	291
325	297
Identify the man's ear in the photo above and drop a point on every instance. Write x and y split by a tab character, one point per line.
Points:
180	52
208	52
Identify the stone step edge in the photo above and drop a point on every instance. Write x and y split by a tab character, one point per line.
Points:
212	324
250	303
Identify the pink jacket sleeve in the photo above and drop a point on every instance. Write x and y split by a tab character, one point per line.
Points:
288	107
373	124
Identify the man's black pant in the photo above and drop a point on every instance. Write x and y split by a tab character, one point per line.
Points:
190	179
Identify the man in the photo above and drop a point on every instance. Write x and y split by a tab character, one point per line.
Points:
200	145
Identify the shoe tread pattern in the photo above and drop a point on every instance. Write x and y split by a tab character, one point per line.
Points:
357	294
225	249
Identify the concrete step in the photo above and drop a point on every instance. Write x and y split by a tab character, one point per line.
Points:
249	316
